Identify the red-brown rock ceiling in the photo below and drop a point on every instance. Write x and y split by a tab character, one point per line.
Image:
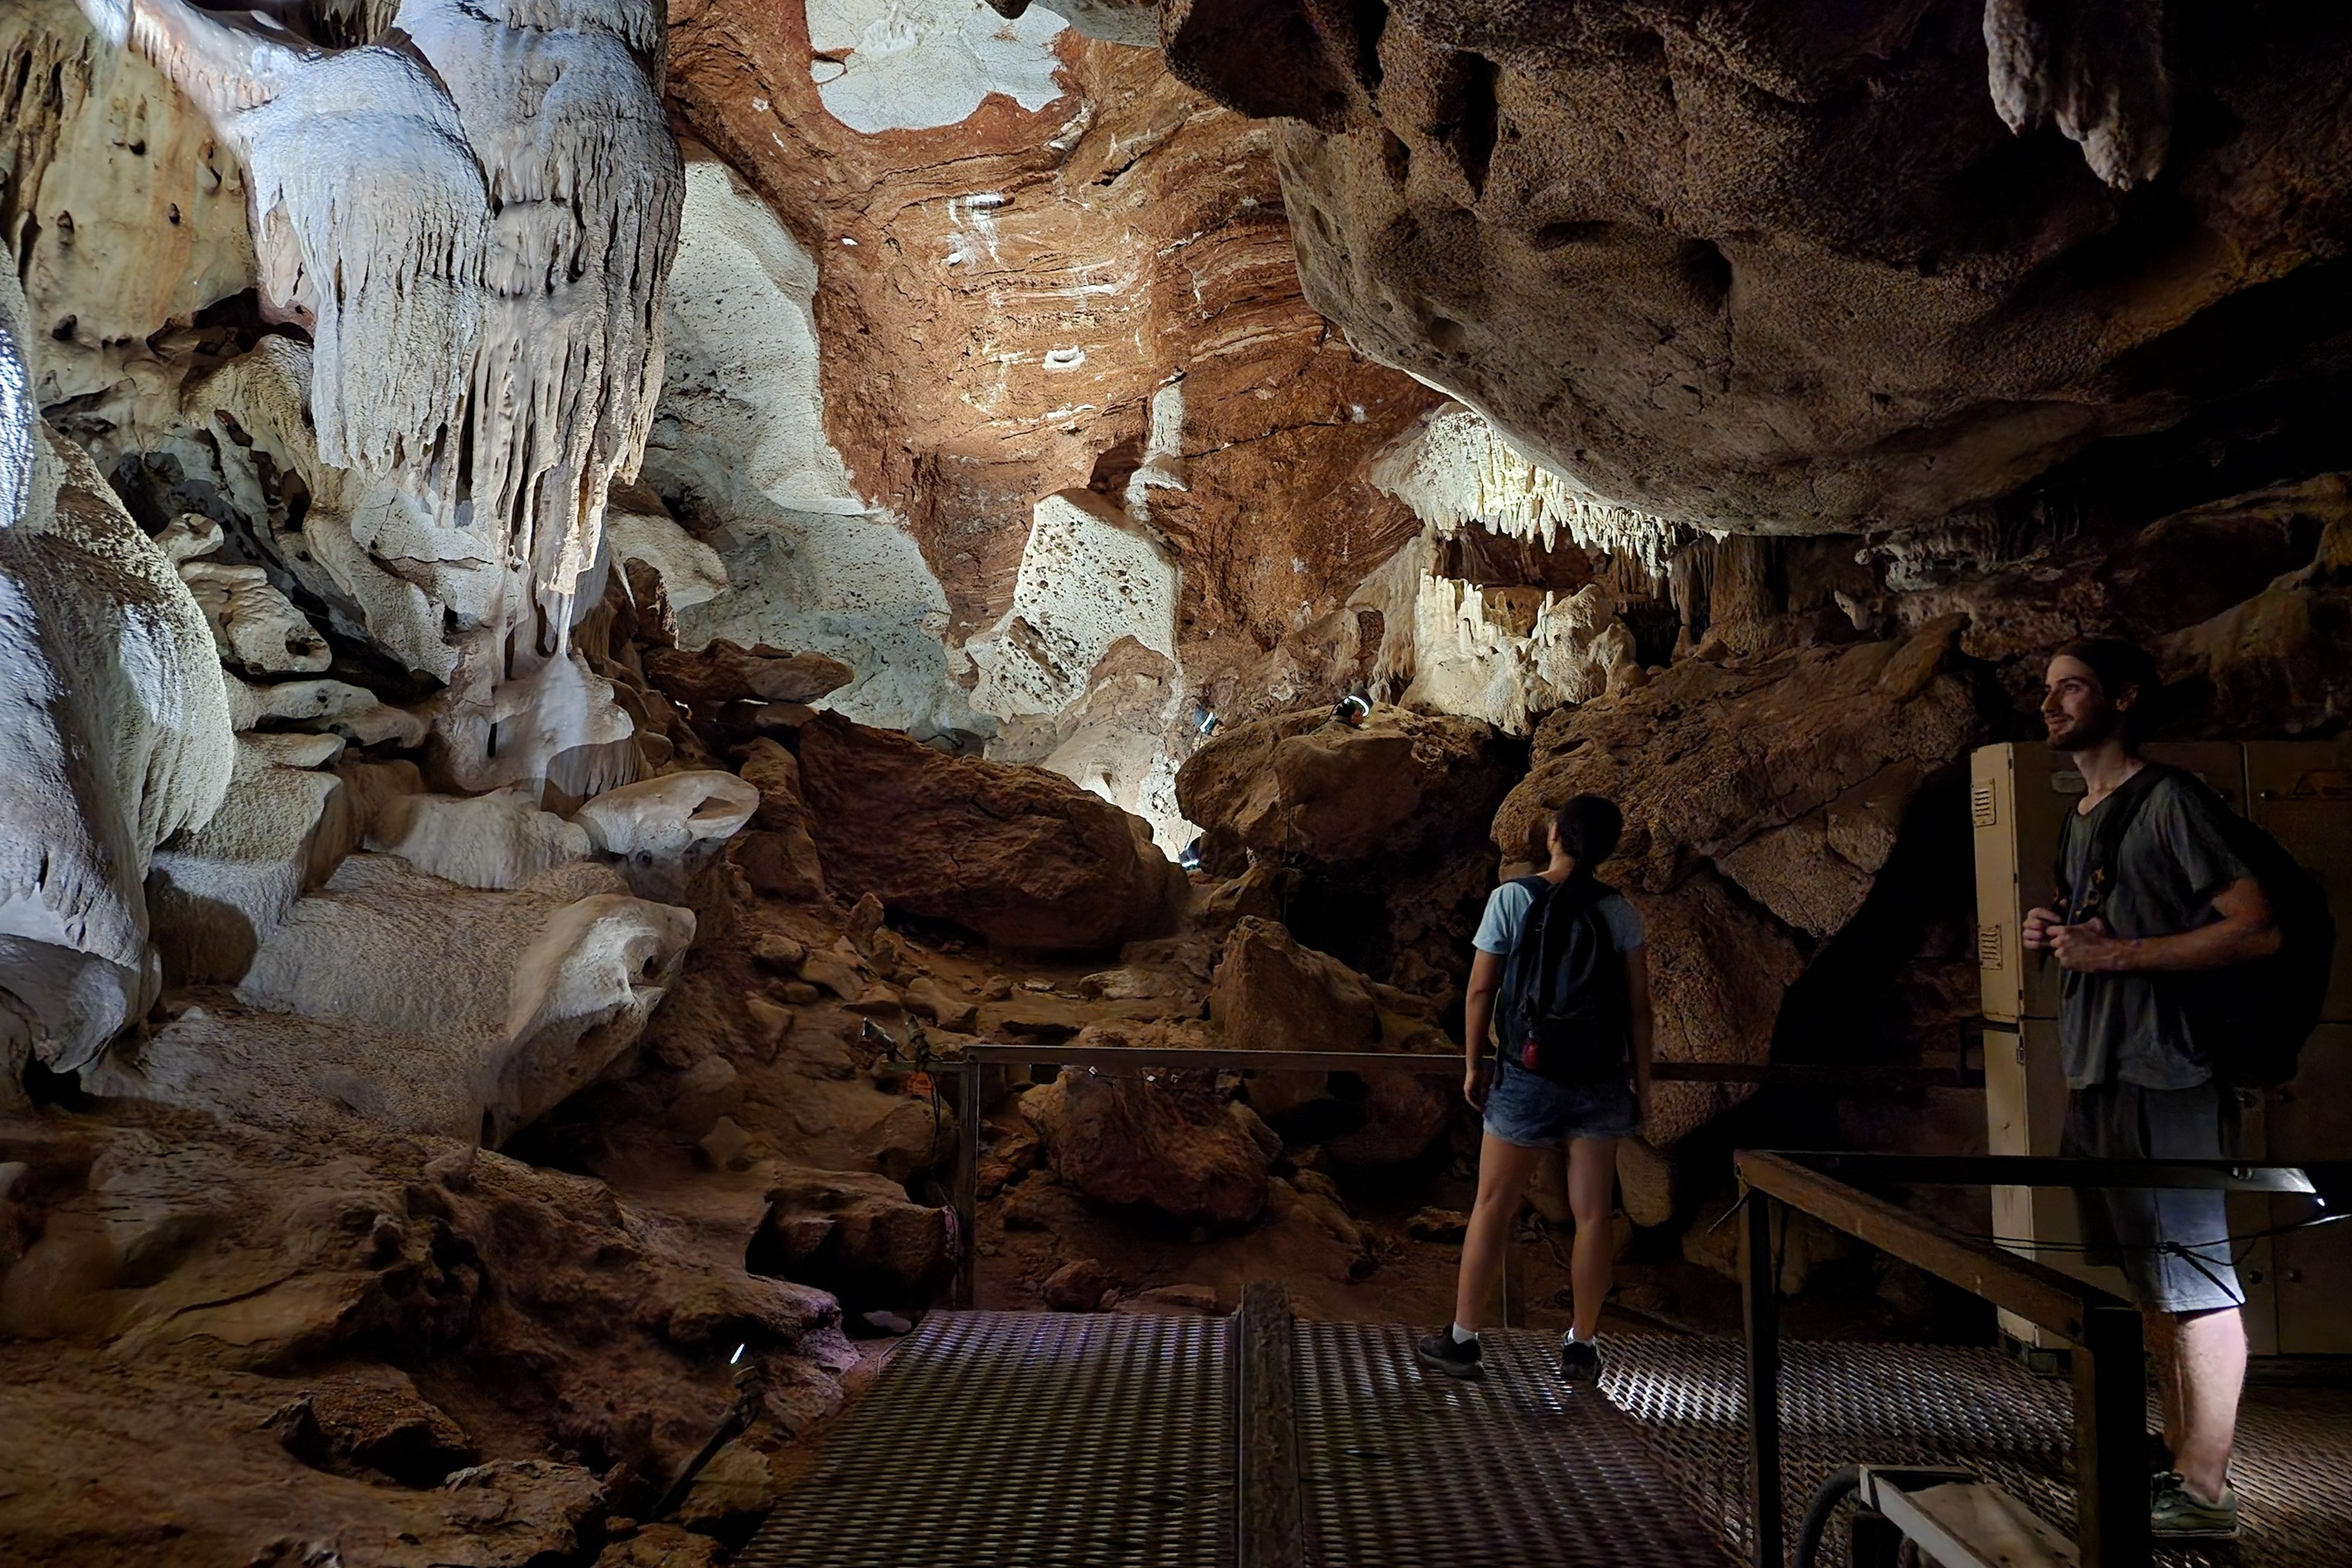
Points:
1134	223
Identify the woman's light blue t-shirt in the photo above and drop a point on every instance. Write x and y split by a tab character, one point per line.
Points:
1507	915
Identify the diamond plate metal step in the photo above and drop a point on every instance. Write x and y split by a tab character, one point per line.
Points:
1025	1440
1518	1469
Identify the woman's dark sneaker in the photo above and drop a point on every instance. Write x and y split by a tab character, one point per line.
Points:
1579	1360
1440	1352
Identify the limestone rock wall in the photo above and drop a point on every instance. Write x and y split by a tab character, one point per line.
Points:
1809	268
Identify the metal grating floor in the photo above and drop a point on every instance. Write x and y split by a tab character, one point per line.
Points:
1976	1407
1025	1440
1403	1469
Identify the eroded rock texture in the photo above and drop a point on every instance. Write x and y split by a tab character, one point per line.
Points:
1789	269
1022	857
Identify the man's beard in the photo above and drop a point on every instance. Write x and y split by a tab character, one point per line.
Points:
2091	729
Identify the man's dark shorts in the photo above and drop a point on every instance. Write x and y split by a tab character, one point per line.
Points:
2170	1243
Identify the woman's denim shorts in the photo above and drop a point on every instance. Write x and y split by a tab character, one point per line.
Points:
1532	1112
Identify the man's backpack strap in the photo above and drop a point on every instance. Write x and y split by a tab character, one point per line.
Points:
2116	816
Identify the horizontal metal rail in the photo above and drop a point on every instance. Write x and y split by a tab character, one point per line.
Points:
2316	1179
1427	1065
965	1062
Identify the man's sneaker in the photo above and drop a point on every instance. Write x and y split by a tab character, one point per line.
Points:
1579	1360
1440	1352
2175	1514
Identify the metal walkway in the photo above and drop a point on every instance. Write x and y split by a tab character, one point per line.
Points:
1039	1440
1025	1440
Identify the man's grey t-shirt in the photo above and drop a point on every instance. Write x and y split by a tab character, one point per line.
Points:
1507	915
2129	1028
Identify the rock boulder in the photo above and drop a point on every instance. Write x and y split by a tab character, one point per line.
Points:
1170	1141
1022	857
1791	773
856	1236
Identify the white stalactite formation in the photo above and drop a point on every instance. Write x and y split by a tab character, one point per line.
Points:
476	218
1454	469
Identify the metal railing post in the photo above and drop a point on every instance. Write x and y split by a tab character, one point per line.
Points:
2111	1522
967	1185
1759	1290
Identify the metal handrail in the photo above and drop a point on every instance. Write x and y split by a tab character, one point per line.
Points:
2109	1367
965	1062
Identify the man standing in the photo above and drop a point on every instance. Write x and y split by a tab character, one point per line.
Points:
2142	1086
1527	1111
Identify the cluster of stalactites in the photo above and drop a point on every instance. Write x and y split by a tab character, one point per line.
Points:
1456	469
586	186
477	221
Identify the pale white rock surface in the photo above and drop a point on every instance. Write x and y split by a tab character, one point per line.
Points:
1454	469
661	818
114	731
256	627
910	65
689	570
351	711
1503	655
497	840
218	891
158	228
1089	576
740	439
402	999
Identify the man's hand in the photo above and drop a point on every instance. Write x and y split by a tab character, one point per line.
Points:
1642	1096
2089	948
1476	1081
2039	925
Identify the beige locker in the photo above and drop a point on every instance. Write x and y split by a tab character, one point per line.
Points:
2299	1286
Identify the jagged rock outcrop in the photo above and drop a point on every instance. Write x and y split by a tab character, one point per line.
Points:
1718	969
1310	785
2243	599
1658	247
1272	994
858	1239
1791	773
229	1284
1022	857
1384	823
1169	1140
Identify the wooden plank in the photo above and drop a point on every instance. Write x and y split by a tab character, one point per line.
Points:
2034	1291
1269	1518
1969	1524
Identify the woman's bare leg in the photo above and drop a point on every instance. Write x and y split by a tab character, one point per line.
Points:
1503	1173
1592	1197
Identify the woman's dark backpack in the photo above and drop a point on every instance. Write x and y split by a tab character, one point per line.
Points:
1563	1008
2251	1019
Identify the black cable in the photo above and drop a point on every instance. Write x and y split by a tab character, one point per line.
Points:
1833	1490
